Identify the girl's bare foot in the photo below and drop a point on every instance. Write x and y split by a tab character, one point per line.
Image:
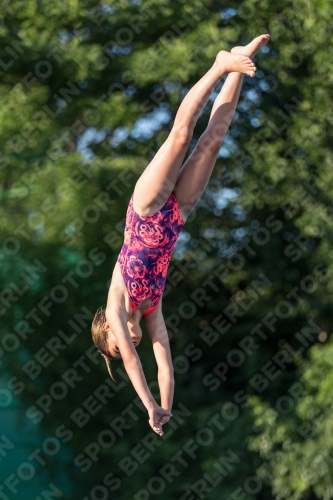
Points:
235	62
253	47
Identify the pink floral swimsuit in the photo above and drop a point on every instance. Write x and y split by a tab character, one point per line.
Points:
146	252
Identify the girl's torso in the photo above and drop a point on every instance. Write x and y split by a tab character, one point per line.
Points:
146	252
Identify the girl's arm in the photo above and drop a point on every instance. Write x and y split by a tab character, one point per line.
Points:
118	324
158	334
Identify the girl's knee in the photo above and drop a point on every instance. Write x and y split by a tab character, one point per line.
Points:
182	134
210	144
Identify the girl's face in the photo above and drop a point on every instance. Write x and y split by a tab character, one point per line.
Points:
135	333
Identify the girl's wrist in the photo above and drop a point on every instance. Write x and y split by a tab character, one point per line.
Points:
150	404
166	406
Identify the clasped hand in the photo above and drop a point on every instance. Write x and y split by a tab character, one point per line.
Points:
158	417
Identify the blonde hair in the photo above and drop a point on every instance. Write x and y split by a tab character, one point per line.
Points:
99	337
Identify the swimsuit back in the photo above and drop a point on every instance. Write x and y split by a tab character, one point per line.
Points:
146	252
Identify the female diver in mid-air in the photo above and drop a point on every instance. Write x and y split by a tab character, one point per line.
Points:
163	197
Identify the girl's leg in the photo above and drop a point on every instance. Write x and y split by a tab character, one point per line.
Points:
196	171
158	180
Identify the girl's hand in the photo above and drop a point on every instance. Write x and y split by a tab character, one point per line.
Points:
158	429
164	420
157	417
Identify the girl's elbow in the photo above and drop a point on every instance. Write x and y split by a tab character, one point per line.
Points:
166	371
131	362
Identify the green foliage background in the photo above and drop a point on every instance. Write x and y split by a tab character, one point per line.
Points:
88	93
